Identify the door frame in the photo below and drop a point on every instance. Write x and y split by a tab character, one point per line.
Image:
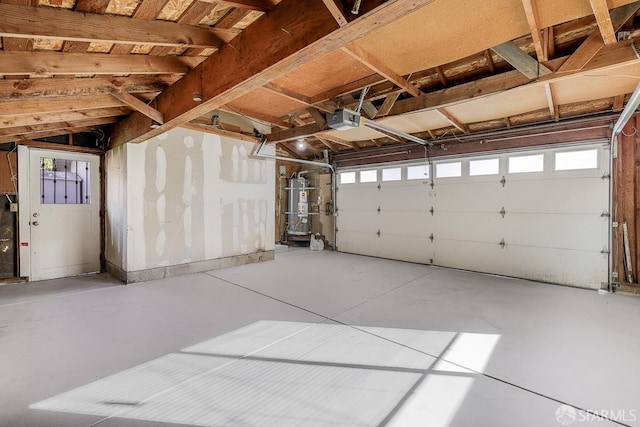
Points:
24	197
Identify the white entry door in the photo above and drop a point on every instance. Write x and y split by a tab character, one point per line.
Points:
64	214
540	214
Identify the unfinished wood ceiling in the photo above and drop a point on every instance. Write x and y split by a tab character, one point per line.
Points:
433	68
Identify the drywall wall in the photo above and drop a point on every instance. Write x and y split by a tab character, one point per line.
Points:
191	197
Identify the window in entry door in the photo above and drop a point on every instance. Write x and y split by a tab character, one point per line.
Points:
64	182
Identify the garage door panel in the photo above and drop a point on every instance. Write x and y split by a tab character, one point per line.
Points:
407	223
358	221
564	196
566	231
407	248
357	196
552	228
462	197
481	227
467	255
569	267
358	243
410	197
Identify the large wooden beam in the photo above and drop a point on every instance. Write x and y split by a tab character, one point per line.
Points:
30	22
520	60
279	42
531	10
594	43
50	105
370	60
72	116
29	88
138	105
601	12
50	63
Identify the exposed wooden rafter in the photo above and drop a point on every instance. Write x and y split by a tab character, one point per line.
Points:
337	10
64	116
618	103
29	22
553	107
379	67
594	43
29	88
50	63
531	11
138	105
453	120
238	72
51	105
601	12
520	60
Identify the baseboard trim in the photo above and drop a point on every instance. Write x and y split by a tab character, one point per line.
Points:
188	268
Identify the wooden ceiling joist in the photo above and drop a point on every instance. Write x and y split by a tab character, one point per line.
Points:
259	5
610	57
310	31
368	59
70	116
594	43
48	127
520	60
340	141
28	88
147	10
35	22
387	105
45	134
276	88
55	63
453	120
531	11
618	103
138	105
264	118
553	107
51	105
601	12
336	7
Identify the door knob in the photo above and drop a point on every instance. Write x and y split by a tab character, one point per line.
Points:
36	223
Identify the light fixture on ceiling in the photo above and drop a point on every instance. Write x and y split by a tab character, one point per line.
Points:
154	124
300	144
197	96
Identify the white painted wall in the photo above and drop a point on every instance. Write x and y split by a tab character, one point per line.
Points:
187	196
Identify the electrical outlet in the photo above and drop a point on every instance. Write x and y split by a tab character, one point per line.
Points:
13	207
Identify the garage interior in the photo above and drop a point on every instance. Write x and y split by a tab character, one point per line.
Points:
329	212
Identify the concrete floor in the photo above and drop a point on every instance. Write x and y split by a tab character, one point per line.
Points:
317	339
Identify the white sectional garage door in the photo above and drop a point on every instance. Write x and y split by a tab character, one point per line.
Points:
540	214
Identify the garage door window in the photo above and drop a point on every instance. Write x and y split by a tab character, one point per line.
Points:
347	177
484	167
369	176
523	164
418	172
573	160
449	170
394	174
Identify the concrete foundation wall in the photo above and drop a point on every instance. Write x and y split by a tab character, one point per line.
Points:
191	198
